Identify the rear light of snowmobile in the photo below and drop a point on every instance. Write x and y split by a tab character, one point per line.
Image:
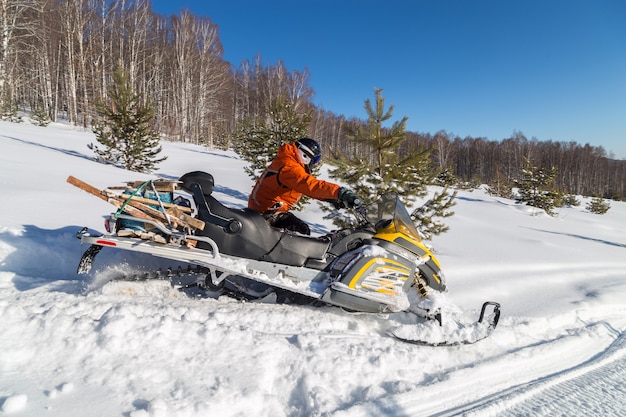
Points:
102	242
107	225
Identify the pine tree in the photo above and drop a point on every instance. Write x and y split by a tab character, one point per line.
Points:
126	128
257	139
386	167
425	216
390	169
39	115
446	177
500	186
534	187
570	200
598	205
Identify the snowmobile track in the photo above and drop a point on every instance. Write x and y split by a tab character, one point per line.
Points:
602	376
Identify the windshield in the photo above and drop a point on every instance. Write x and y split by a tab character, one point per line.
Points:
389	207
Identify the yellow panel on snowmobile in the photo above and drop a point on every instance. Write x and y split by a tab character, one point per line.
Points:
431	269
404	241
382	275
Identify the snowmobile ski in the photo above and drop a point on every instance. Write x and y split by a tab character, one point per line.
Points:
466	334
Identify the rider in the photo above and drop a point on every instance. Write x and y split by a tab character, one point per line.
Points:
287	178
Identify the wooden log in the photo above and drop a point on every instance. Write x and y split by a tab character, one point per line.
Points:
98	193
176	219
192	221
135	208
149	201
168	186
176	211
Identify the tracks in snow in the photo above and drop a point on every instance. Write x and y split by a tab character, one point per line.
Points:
593	387
582	372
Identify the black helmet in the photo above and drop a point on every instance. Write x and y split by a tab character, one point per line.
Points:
311	148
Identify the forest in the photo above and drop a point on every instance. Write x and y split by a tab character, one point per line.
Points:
57	59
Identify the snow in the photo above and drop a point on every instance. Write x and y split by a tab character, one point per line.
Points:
84	346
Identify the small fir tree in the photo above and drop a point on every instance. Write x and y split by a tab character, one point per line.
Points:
257	139
598	205
570	200
535	188
473	184
446	178
40	116
125	128
425	216
389	169
386	167
500	187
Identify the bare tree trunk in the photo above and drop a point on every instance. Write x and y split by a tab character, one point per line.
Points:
15	27
69	27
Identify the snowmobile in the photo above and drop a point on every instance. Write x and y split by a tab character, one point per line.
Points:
379	265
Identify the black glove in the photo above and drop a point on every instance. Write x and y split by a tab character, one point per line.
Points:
349	197
287	220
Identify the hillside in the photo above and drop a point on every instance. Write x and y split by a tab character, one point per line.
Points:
85	346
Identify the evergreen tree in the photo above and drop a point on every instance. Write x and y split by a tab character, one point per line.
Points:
500	186
425	216
40	116
383	167
473	184
387	165
570	200
598	205
126	128
534	187
257	139
446	178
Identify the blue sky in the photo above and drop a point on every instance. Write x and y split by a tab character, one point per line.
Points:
552	69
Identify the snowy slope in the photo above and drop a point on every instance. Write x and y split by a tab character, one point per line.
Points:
83	346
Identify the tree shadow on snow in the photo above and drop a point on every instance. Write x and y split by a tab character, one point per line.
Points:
472	199
213	153
232	193
65	151
592	239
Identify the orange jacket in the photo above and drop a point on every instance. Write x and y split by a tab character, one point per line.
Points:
285	180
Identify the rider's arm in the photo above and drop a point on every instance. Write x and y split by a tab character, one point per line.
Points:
295	177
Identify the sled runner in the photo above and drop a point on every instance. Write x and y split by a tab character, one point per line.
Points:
372	267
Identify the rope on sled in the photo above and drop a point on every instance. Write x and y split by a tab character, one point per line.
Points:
137	191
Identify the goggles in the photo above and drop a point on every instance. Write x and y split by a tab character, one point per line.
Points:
315	158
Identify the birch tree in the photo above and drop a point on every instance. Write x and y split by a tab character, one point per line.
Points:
14	28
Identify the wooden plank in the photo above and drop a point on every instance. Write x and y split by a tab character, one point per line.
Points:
150	202
192	221
98	193
160	185
177	211
197	224
135	208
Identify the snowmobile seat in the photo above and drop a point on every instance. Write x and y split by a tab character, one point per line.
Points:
200	185
256	239
204	179
245	233
237	232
